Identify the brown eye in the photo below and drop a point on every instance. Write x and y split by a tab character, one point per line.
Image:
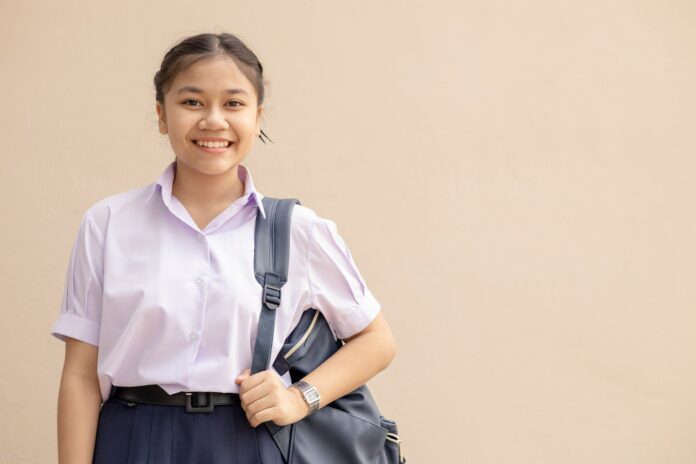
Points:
190	99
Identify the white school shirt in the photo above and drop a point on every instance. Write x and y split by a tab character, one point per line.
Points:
173	305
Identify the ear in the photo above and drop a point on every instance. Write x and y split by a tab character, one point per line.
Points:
161	115
259	116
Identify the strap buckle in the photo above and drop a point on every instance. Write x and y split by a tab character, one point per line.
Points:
271	295
208	407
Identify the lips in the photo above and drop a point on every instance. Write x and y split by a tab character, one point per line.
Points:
229	142
213	150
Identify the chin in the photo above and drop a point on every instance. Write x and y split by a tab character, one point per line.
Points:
210	166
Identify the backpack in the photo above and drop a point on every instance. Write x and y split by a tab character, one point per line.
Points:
349	430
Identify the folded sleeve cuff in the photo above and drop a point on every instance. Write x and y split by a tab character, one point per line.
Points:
77	327
352	322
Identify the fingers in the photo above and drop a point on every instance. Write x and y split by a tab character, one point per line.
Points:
263	397
261	410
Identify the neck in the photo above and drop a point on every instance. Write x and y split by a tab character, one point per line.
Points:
195	188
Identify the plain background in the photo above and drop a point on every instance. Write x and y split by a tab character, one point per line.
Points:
514	180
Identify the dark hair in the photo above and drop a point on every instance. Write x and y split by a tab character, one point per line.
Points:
197	47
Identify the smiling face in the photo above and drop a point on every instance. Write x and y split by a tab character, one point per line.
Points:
211	99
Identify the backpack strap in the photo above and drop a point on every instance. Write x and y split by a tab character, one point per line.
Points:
271	259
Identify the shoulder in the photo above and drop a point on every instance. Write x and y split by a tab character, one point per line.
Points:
98	214
313	233
303	217
301	224
305	222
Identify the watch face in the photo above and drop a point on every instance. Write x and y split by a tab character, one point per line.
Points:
312	395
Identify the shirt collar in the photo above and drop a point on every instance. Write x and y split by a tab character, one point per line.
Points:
166	180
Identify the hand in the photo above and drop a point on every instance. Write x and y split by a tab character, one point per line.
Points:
265	397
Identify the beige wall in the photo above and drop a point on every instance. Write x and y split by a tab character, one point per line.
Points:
514	180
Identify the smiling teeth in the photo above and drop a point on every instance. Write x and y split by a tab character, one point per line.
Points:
212	144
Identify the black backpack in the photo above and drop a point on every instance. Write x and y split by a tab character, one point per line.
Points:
350	430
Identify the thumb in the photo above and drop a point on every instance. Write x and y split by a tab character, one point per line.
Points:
241	377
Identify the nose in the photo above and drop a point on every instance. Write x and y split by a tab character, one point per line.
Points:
213	120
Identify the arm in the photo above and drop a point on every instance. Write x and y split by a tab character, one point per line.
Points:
79	401
335	286
265	397
364	355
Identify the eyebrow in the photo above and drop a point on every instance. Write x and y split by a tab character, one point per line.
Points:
190	88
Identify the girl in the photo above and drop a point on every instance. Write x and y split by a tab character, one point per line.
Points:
161	305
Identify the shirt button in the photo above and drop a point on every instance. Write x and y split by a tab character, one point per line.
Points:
200	280
193	336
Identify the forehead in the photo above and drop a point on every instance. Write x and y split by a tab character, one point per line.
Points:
212	75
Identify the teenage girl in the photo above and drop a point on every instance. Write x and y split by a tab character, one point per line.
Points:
161	305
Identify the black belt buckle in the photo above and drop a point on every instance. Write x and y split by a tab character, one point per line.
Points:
207	408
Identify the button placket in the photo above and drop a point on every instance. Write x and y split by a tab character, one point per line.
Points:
194	335
200	281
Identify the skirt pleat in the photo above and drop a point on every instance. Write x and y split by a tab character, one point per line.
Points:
165	434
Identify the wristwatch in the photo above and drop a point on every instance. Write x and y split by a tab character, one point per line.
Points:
309	393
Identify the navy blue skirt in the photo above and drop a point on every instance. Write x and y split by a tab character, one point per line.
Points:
167	434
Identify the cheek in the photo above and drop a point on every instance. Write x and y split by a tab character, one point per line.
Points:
247	127
180	129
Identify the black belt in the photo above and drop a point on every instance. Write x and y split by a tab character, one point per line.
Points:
193	401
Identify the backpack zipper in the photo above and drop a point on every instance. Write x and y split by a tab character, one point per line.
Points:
304	336
272	219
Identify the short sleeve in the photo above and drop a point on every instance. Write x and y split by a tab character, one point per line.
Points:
337	289
80	310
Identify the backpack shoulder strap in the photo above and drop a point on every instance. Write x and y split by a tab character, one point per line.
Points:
271	259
